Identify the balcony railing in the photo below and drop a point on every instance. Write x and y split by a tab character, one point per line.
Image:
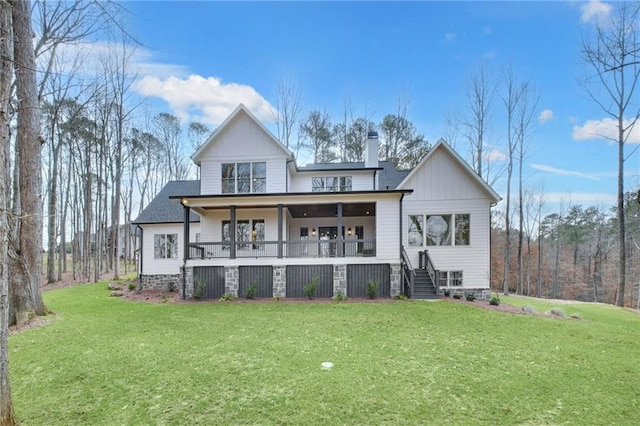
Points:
290	249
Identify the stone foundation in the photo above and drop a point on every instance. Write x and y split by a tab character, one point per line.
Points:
279	281
169	282
395	281
480	293
188	290
339	279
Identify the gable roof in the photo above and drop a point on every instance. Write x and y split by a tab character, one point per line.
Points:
164	210
240	109
442	144
389	176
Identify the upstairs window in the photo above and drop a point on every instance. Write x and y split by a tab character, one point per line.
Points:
439	230
244	178
331	184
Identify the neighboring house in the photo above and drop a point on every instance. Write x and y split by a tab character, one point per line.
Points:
256	218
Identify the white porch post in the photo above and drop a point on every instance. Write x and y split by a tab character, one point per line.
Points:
340	251
280	231
232	232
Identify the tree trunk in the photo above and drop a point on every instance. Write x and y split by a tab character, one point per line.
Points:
622	265
26	299
6	75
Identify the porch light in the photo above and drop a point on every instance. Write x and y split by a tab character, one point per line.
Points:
349	231
184	201
313	232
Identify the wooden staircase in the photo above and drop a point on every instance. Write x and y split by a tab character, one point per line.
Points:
423	287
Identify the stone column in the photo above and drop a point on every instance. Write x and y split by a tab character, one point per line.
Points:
394	279
339	279
279	281
231	280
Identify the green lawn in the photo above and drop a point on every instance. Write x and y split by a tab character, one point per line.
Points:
107	361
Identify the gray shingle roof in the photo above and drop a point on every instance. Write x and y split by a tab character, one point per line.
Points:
389	177
162	210
332	166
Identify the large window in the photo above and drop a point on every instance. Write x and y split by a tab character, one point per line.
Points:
243	178
439	230
165	246
331	184
246	231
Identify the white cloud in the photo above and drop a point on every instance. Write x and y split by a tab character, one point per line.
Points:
493	156
545	116
607	128
450	36
562	172
210	97
595	11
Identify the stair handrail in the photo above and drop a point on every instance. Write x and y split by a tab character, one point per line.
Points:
408	274
434	274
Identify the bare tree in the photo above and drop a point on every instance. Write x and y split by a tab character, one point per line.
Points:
6	76
613	55
26	250
510	96
288	112
479	99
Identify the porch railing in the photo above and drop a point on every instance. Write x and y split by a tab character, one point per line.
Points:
434	274
290	249
408	274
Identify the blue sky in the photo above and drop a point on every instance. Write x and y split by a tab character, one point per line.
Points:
202	58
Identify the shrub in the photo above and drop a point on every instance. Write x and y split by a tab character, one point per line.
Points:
557	312
400	297
372	289
310	289
339	297
227	297
529	309
199	288
251	292
447	292
470	297
457	296
495	300
132	287
276	298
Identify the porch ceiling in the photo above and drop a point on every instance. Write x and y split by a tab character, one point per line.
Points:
331	210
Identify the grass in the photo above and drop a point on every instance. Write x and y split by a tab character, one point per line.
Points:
106	361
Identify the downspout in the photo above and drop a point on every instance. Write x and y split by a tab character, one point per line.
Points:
187	216
140	263
374	179
400	221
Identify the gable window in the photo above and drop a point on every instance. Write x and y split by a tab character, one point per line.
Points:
331	184
165	246
244	178
439	230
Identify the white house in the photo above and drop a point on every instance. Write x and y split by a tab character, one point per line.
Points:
256	218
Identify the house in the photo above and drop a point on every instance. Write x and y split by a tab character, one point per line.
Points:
255	218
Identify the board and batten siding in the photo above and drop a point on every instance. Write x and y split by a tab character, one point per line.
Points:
387	230
360	181
442	186
242	140
153	266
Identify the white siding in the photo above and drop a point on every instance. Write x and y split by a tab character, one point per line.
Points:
243	140
387	230
473	259
360	181
151	265
441	177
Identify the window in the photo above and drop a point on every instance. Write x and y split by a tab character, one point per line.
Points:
165	246
304	234
247	230
462	229
244	178
197	237
331	184
450	278
415	230
439	230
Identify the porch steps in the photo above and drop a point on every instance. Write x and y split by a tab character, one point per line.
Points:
423	287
